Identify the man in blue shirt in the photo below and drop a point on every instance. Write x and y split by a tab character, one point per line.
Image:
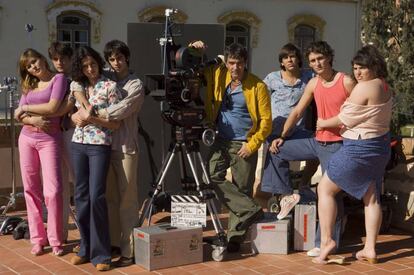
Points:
286	87
238	103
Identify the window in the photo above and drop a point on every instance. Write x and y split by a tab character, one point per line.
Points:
303	37
242	27
74	29
304	29
237	33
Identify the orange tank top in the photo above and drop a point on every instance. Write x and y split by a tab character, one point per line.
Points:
328	104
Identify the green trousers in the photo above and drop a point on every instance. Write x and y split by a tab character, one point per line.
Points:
237	194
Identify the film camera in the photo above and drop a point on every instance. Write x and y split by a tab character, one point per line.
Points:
182	86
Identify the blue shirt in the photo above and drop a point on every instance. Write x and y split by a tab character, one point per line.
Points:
234	120
284	97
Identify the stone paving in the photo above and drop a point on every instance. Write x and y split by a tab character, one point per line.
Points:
395	250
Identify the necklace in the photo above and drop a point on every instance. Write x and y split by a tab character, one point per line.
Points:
330	78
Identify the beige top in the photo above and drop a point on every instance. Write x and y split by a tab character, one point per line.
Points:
365	121
125	138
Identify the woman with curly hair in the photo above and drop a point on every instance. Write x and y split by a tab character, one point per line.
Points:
91	151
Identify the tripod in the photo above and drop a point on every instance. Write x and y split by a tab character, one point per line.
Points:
183	146
10	87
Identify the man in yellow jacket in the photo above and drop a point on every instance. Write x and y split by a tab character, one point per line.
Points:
238	103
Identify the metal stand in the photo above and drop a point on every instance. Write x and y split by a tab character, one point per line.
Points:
10	87
204	190
166	42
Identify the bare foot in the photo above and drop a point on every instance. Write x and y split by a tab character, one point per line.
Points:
366	255
326	248
318	260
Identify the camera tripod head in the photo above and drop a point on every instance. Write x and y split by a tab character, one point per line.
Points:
169	12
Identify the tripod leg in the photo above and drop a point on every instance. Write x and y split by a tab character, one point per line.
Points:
203	167
219	249
148	204
147	211
213	211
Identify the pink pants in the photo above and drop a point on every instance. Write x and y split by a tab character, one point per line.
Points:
40	157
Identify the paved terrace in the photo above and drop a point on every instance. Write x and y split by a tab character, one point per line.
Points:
395	250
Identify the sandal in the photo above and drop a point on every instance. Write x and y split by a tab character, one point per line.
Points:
363	258
339	261
57	251
37	250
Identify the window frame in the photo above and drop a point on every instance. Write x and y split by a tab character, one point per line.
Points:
73	28
299	41
237	34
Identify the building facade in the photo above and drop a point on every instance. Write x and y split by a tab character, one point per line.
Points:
263	26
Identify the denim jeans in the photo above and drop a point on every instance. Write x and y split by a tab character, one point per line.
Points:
300	146
91	164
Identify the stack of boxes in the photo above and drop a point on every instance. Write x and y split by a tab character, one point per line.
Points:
271	235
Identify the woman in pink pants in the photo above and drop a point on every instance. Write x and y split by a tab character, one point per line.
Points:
40	149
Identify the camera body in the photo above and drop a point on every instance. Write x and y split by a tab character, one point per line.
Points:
182	94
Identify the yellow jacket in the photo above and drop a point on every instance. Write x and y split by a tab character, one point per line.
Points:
257	100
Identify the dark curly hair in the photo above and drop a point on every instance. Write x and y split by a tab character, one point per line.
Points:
80	54
321	47
369	56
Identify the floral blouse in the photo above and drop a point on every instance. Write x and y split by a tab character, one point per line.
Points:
104	94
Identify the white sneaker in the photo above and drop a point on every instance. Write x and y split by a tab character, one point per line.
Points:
314	252
286	204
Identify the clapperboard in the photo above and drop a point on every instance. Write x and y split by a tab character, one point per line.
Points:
188	211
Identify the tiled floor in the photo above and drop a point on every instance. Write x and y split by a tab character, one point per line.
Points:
395	249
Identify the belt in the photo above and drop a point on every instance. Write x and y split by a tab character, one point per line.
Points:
38	130
325	143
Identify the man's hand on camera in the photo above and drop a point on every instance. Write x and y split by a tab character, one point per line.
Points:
198	45
244	151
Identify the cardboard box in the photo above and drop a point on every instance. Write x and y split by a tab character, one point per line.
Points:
270	235
408	146
161	246
305	227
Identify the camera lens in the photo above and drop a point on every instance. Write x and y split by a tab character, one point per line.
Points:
208	137
185	95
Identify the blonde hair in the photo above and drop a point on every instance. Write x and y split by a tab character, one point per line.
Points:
28	81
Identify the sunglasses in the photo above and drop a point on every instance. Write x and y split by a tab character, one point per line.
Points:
228	101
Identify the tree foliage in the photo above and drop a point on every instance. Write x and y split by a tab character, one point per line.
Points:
389	25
